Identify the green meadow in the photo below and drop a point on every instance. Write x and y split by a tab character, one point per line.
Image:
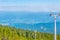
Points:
12	33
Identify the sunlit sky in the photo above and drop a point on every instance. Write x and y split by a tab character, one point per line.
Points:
30	5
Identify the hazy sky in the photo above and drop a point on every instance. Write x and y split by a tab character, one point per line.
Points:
30	5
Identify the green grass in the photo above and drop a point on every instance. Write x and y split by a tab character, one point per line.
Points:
12	33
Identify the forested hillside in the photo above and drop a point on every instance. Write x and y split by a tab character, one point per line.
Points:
12	33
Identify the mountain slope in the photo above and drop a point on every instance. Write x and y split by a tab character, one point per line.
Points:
12	33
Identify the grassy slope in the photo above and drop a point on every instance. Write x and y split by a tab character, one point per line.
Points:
11	33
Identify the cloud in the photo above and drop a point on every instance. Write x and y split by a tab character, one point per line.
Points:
4	23
35	7
30	8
